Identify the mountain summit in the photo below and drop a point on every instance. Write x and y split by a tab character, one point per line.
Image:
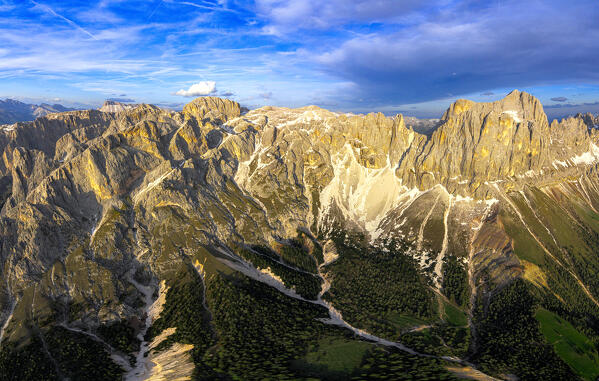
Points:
217	242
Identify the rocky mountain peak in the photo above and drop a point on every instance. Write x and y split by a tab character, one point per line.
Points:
212	107
517	106
482	143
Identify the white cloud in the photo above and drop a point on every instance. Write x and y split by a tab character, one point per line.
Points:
198	89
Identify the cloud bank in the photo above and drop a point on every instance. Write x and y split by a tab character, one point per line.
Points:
464	49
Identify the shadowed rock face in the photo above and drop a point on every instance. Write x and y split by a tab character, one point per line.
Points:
136	193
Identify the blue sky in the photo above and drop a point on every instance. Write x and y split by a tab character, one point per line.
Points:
407	56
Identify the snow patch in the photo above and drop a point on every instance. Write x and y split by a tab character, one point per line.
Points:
460	198
491	201
514	115
589	157
243	171
439	262
423	258
585	158
560	163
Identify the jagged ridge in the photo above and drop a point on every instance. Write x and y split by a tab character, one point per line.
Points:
144	190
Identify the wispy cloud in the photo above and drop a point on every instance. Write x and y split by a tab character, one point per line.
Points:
51	11
203	5
160	2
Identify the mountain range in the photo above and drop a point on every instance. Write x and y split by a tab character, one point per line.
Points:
12	111
276	243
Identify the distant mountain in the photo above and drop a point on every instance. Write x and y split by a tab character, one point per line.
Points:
592	121
114	106
12	111
422	126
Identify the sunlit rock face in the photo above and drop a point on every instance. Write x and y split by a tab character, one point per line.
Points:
479	143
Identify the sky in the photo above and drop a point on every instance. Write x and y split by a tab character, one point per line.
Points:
395	56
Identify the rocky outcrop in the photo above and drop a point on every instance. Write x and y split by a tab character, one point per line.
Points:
297	164
479	143
43	133
212	108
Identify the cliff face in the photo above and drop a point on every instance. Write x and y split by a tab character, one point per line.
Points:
129	196
504	141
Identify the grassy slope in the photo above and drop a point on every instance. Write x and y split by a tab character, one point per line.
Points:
562	295
571	346
455	316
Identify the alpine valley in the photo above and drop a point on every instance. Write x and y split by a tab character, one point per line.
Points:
140	243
